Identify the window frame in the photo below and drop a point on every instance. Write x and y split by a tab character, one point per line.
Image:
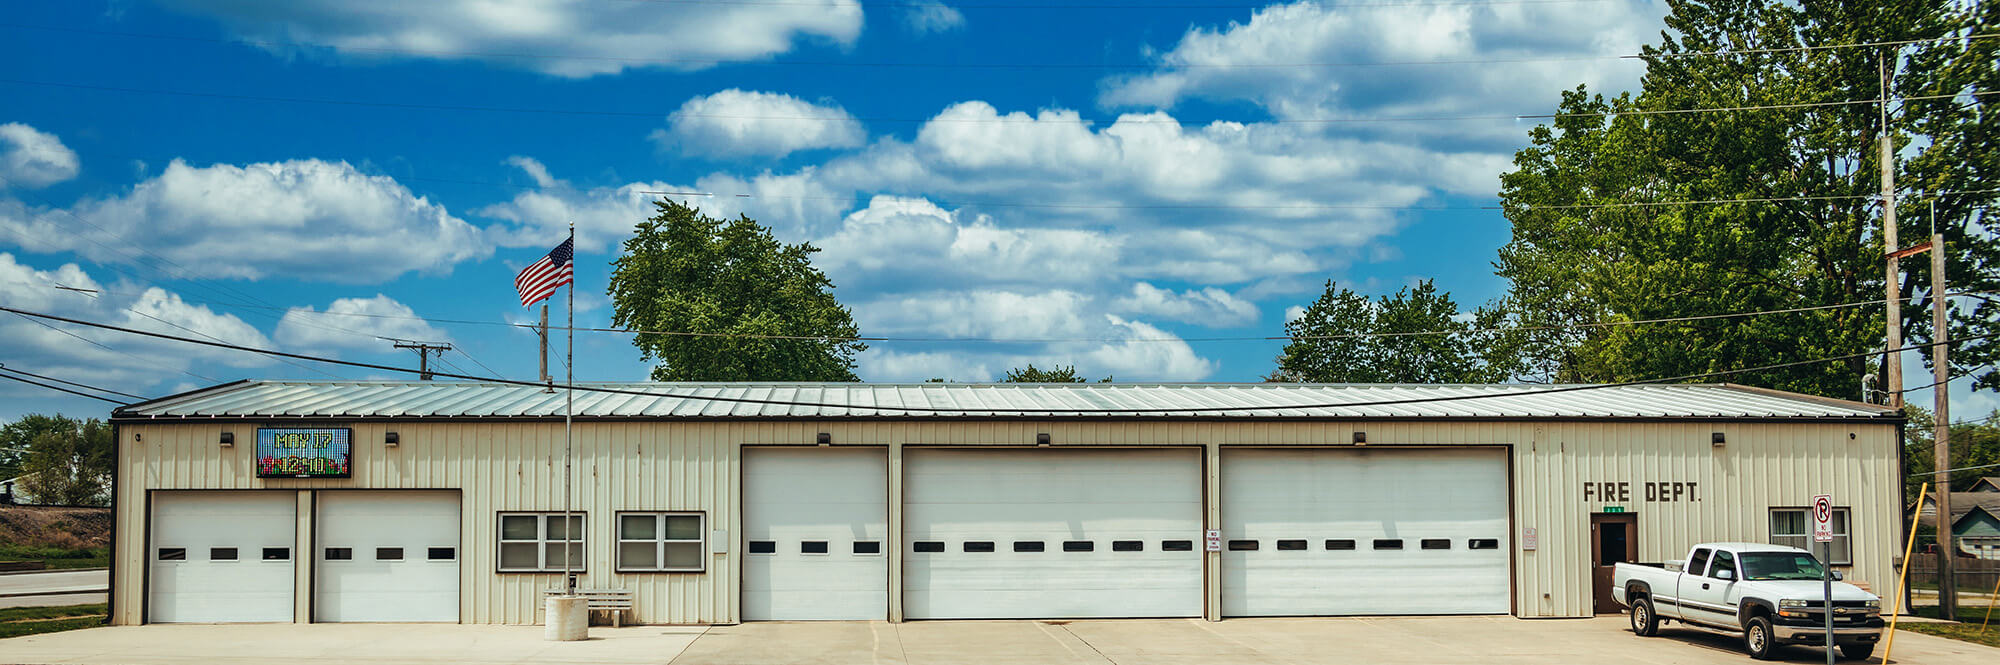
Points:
541	541
660	542
1843	517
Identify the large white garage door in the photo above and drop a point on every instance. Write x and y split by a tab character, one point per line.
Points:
386	556
816	529
1364	531
221	557
1052	533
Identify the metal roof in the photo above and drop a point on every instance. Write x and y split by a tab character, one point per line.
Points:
446	399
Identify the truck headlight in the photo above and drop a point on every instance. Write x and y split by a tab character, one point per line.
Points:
1794	603
1872	604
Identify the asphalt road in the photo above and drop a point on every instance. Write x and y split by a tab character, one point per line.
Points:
55	587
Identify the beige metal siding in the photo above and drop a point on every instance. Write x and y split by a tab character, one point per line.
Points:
504	466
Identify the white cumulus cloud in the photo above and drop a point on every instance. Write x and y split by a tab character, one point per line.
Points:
1209	306
301	219
584	38
736	123
31	158
356	323
930	17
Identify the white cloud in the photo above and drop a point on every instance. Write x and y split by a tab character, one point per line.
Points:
592	37
737	123
118	361
1147	353
604	216
899	241
31	158
978	314
1122	349
1209	306
356	323
299	219
1294	313
1541	50
930	17
879	364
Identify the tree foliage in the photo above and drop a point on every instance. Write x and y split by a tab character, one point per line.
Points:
1344	337
1974	443
1569	264
720	281
63	460
1032	374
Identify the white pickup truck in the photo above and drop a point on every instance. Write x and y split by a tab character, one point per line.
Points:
1770	594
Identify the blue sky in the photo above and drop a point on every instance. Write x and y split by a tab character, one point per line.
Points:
1001	169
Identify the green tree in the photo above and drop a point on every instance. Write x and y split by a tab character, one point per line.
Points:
729	288
1032	374
1573	264
65	461
1344	337
1974	443
16	436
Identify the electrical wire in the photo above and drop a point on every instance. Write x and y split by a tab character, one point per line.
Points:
1968	374
10	377
5	368
1045	340
101	345
947	409
1025	119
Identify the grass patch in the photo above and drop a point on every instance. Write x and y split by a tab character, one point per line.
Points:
17	621
1957	631
58	558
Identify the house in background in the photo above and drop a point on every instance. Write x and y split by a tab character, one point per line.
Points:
1975	517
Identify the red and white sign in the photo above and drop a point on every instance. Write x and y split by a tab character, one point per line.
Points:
1214	538
1822	512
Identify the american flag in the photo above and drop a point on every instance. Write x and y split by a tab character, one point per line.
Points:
541	280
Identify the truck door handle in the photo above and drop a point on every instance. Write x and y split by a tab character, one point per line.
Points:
1704	585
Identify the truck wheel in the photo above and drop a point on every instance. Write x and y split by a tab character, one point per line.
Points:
1759	639
1644	622
1858	650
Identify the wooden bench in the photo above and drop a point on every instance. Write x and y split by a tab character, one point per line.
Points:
614	601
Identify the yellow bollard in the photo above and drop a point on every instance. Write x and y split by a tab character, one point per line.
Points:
1989	606
1903	578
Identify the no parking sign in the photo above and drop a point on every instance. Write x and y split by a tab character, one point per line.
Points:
1822	510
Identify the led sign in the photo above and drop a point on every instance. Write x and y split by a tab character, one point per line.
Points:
305	453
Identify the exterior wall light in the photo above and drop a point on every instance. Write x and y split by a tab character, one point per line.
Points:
1360	438
228	439
1716	439
824	439
392	440
1042	440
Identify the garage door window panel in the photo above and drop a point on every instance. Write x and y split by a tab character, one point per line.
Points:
1792	527
536	542
661	542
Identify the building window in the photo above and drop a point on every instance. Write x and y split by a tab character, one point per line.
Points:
1792	527
763	547
812	547
388	554
867	547
222	554
441	553
978	546
928	546
664	543
536	542
1177	546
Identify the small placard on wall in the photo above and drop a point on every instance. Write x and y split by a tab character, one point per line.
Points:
1530	541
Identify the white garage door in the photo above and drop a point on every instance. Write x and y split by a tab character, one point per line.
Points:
816	525
1364	531
222	557
1052	534
386	556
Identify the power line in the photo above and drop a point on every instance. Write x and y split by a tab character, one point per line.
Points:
1162	65
1036	340
1029	120
10	377
746	400
5	368
101	345
1968	374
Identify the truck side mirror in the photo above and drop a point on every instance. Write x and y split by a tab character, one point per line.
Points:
1726	575
1837	576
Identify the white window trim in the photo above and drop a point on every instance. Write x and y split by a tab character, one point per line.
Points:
661	541
542	541
1804	540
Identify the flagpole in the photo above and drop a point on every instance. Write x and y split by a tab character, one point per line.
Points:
569	410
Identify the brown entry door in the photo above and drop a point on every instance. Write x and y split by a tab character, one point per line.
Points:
1614	538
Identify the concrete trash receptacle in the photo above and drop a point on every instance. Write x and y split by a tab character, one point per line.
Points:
567	619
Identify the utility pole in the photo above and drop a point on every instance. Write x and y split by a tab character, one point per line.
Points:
1941	373
1892	361
424	351
543	333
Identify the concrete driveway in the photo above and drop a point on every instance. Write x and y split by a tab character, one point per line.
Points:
1124	642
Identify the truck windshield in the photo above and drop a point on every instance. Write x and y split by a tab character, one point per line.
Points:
1780	566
